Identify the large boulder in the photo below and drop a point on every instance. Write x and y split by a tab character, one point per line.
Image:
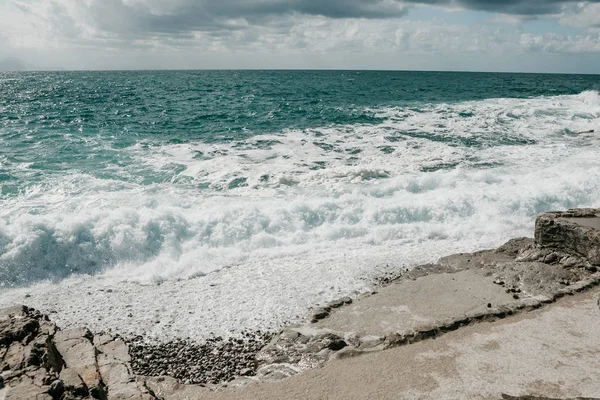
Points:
574	231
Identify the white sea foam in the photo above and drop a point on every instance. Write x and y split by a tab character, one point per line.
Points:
250	234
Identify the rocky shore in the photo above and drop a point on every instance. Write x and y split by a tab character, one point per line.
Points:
40	360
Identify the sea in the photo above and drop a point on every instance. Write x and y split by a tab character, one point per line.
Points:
188	204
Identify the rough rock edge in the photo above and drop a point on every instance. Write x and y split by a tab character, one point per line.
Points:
39	360
509	397
560	229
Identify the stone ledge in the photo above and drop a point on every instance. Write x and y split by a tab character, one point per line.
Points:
576	231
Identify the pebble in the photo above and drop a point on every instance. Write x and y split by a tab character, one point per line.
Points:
551	258
217	360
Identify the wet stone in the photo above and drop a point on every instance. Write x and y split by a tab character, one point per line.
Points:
337	345
57	388
321	314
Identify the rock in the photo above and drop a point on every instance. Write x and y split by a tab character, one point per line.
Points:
1	382
573	231
79	354
116	349
73	382
335	304
303	339
340	302
102	339
551	258
113	372
26	390
320	314
370	341
289	335
41	361
530	254
347	352
15	356
17	323
57	388
337	345
572	261
514	246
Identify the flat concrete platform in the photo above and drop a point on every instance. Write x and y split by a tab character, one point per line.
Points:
410	304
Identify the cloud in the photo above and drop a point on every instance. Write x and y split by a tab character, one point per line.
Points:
211	33
138	17
151	16
586	15
134	19
517	7
560	44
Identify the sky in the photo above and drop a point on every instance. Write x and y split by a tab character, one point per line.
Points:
467	35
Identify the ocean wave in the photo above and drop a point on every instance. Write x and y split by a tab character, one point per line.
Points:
474	134
82	225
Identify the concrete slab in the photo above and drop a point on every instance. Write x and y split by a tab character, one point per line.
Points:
409	304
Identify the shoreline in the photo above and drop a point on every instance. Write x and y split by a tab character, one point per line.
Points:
548	353
511	281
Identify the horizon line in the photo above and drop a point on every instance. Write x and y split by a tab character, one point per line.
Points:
293	69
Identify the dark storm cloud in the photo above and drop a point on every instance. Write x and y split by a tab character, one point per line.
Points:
517	7
332	9
139	17
118	15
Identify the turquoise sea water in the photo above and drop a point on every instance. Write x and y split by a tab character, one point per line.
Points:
85	121
255	194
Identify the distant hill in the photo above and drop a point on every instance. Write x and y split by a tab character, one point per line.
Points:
13	64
